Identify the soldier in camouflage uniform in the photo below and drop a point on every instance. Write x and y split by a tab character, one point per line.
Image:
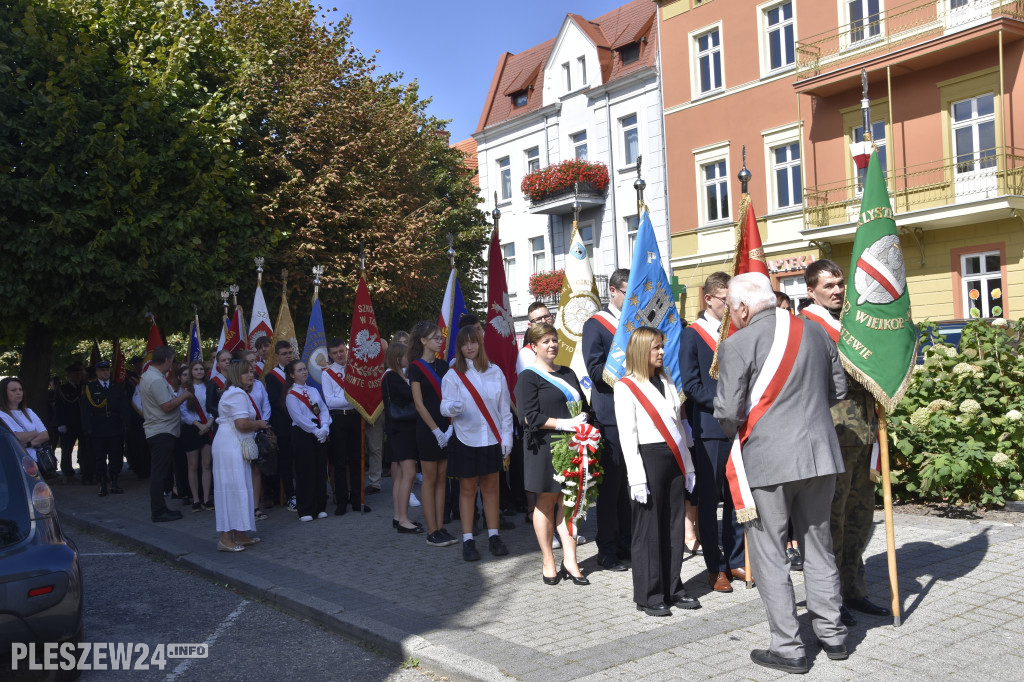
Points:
857	428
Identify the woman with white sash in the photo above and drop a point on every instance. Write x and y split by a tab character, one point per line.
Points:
475	396
660	472
543	391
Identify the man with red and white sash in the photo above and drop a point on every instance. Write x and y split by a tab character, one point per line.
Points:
344	450
614	517
711	447
281	423
856	425
777	377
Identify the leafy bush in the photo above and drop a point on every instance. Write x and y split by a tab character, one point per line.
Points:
957	435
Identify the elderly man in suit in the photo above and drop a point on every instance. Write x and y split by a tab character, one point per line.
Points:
777	377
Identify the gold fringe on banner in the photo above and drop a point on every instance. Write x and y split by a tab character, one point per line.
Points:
724	333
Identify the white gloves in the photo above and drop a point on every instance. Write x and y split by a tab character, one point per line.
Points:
455	408
571	424
691	480
442	438
321	434
688	433
62	429
639	492
506	449
449	433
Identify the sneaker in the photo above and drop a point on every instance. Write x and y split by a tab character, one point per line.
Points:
450	539
435	539
413	500
208	506
469	552
305	519
497	547
322	515
196	507
292	504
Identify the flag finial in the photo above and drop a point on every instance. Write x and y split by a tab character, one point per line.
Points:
317	271
639	185
259	270
451	250
234	294
744	175
224	297
496	214
865	105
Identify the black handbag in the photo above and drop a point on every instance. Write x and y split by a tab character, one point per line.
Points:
401	413
266	443
46	461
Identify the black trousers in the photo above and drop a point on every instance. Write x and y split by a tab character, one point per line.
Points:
310	458
710	458
614	518
345	447
67	446
658	537
107	453
161	459
181	470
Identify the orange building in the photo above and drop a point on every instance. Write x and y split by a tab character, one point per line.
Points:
784	80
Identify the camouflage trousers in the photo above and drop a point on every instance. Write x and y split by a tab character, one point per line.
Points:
853	510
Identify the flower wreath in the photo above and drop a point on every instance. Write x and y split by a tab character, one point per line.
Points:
575	456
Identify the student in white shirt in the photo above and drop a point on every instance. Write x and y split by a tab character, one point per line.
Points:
659	469
344	451
26	425
311	424
483	435
197	434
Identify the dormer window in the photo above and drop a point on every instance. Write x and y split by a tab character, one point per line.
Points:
630	53
519	98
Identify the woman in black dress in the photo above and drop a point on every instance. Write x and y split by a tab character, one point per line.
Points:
400	427
542	394
432	429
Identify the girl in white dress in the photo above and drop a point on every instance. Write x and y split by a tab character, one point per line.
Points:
237	422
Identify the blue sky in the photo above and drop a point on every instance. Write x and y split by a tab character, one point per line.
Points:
452	46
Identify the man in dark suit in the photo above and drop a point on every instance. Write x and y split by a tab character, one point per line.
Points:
69	424
281	422
105	415
614	518
711	452
777	377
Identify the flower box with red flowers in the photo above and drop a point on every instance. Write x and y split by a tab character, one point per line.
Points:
560	179
547	284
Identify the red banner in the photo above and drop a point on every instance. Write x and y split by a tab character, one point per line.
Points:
365	369
235	338
499	332
119	374
155	340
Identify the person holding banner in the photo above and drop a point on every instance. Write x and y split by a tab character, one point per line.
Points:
311	424
433	429
777	377
543	393
476	397
659	470
197	434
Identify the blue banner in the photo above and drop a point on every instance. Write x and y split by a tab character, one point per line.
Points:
314	353
195	349
458	310
649	302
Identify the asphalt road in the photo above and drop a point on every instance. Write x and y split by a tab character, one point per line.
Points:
134	598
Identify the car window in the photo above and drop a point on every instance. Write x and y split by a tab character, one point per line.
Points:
14	514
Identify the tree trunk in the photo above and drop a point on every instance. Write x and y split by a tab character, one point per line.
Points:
35	365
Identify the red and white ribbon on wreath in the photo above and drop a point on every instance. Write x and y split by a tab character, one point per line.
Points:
585	439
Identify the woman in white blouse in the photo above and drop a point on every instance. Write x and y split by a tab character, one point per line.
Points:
28	428
311	424
475	395
237	422
196	434
660	470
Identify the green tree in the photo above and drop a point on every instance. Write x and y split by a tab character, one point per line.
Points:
122	175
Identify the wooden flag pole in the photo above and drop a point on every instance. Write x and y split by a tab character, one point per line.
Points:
890	536
362	464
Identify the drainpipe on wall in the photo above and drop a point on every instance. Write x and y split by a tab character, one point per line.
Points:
611	175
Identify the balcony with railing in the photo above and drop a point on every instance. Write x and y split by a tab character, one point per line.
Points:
556	189
879	31
951	182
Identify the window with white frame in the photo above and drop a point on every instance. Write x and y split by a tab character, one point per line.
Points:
579	144
587	235
537	251
865	20
581	65
974	133
795	288
508	255
709	62
632	224
878	137
981	283
505	177
716	191
567	76
630	139
786	167
532	159
780	39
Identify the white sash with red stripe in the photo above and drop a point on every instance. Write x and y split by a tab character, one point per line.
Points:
822	316
647	395
218	379
607	320
708	331
769	383
278	374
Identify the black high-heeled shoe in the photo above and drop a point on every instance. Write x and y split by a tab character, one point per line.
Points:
564	572
552	581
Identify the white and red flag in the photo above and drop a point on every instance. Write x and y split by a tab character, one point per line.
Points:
259	325
499	332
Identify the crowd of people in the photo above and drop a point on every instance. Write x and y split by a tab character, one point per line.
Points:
779	438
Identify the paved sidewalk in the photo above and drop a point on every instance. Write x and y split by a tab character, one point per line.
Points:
960	585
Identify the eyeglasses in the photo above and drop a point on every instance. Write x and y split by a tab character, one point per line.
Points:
543	318
720	298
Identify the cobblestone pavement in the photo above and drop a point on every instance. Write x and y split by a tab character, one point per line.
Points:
495	619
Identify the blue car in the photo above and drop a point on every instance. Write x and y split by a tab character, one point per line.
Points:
40	576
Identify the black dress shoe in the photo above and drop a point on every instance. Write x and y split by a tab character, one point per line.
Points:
415	530
656	610
355	507
104	491
685	601
569	576
864	606
166	515
846	617
610	562
115	489
770	660
552	581
836	652
796	560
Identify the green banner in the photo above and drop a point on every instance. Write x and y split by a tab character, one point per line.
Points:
878	341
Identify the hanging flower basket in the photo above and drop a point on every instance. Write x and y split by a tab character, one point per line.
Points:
561	177
547	284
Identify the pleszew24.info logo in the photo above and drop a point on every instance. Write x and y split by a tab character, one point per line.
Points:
101	655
